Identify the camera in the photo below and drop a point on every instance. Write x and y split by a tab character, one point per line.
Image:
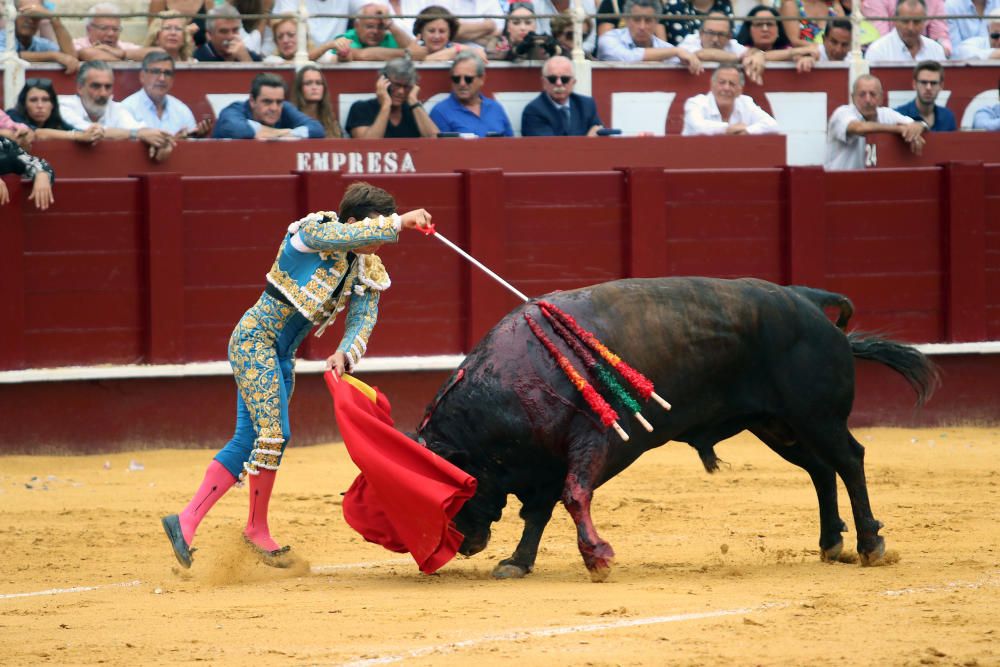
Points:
537	47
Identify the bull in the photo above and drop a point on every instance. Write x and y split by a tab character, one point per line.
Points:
731	355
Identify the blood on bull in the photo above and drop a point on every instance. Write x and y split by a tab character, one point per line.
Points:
730	355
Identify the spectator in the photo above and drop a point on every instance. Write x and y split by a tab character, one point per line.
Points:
223	43
16	131
321	29
562	30
373	37
479	30
988	118
636	41
836	41
35	49
196	8
928	76
677	30
396	110
725	109
396	7
434	29
13	160
154	106
906	42
851	123
255	32
713	42
799	23
961	30
983	47
266	115
558	111
101	41
466	110
286	43
765	32
169	32
520	39
936	29
92	106
312	97
38	108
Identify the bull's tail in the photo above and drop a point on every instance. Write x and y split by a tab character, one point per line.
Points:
823	300
906	360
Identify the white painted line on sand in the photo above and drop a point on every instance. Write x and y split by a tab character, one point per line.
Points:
315	569
515	635
76	589
554	632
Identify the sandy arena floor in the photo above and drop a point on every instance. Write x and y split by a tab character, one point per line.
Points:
719	569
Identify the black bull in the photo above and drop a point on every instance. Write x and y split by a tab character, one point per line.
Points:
730	355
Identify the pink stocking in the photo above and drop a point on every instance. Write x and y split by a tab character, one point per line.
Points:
217	481
260	496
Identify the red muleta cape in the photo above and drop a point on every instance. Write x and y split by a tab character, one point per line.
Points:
406	496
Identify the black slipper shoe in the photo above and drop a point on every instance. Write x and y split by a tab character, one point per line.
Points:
281	558
172	526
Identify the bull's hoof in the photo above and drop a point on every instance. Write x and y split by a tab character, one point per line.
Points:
873	556
505	570
832	554
600	572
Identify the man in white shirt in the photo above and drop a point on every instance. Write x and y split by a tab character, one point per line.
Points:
906	43
725	109
102	39
93	106
154	106
983	47
714	43
851	123
636	41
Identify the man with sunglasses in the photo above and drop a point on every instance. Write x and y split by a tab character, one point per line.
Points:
396	111
466	110
983	47
558	111
35	49
93	109
155	107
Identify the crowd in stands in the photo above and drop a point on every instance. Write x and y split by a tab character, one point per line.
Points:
693	32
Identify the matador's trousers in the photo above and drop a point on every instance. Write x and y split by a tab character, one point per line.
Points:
262	354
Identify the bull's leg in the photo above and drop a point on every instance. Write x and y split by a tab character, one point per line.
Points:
844	454
586	464
536	514
824	479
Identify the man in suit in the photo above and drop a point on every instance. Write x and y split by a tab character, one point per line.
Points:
558	111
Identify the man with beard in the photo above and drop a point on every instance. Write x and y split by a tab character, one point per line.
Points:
266	115
850	123
725	109
93	106
466	110
396	110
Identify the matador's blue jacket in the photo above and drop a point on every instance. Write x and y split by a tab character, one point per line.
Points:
313	261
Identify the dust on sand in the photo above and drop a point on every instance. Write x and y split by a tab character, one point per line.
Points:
720	569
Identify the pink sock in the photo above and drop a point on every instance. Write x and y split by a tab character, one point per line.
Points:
217	481
260	496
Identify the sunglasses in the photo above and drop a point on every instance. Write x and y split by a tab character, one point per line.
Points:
38	83
459	78
552	78
995	35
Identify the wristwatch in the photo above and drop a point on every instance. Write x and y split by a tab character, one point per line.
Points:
416	104
133	134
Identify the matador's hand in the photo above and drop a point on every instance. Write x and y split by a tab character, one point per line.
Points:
336	362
